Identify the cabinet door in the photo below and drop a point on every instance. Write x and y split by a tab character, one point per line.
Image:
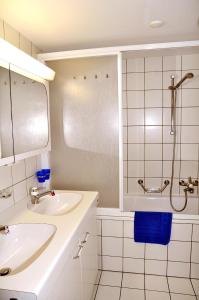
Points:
72	278
89	264
65	282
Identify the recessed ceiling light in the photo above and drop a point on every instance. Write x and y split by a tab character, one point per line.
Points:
156	23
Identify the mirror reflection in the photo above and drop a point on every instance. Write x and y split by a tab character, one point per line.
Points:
6	140
30	114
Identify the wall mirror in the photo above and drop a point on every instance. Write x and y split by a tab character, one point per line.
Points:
29	113
6	138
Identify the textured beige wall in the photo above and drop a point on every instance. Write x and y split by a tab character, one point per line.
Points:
84	126
17	39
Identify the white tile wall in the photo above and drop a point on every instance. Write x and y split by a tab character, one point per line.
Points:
178	269
14	37
133	265
112	228
180	258
18	171
112	263
148	136
156	267
18	178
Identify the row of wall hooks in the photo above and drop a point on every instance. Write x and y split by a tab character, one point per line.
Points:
95	76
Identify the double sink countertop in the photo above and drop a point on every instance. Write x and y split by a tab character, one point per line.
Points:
33	278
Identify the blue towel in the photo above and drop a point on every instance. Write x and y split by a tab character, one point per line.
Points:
152	227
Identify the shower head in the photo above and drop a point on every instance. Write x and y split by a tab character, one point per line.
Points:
186	76
189	75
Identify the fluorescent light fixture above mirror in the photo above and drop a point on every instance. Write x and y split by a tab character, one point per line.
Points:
20	59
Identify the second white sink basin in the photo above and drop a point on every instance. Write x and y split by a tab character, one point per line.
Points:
23	244
60	204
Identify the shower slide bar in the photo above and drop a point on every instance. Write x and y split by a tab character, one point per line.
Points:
153	190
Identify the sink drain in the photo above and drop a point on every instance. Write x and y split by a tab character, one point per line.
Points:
5	271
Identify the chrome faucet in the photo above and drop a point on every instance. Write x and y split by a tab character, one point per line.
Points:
189	185
35	195
4	229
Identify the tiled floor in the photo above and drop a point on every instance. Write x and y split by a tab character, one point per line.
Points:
129	286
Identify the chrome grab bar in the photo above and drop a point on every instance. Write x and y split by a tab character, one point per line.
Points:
153	190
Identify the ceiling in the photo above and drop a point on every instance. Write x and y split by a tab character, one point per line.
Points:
55	25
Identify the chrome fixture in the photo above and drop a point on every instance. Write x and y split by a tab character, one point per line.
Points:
173	89
173	105
5	193
4	229
4	272
186	76
81	245
189	185
153	190
35	195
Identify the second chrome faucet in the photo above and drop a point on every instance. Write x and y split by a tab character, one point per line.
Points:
35	195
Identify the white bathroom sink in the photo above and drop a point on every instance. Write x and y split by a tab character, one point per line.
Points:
23	244
60	204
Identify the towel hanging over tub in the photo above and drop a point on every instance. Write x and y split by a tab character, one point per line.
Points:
152	227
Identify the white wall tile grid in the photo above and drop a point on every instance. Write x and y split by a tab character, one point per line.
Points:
118	252
18	178
146	122
17	39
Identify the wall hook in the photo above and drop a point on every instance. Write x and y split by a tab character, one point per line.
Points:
84	77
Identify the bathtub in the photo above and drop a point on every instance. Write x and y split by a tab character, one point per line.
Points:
162	203
132	203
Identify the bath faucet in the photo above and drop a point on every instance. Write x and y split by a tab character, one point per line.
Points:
35	195
189	185
4	229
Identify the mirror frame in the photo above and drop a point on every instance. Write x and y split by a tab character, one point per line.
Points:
16	157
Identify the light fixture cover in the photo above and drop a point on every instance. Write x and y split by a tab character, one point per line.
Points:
20	59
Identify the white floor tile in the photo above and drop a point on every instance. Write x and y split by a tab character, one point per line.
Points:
152	295
195	283
111	278
182	297
156	283
128	294
180	285
135	281
108	293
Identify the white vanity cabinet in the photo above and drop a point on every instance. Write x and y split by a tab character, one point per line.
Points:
75	274
88	259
